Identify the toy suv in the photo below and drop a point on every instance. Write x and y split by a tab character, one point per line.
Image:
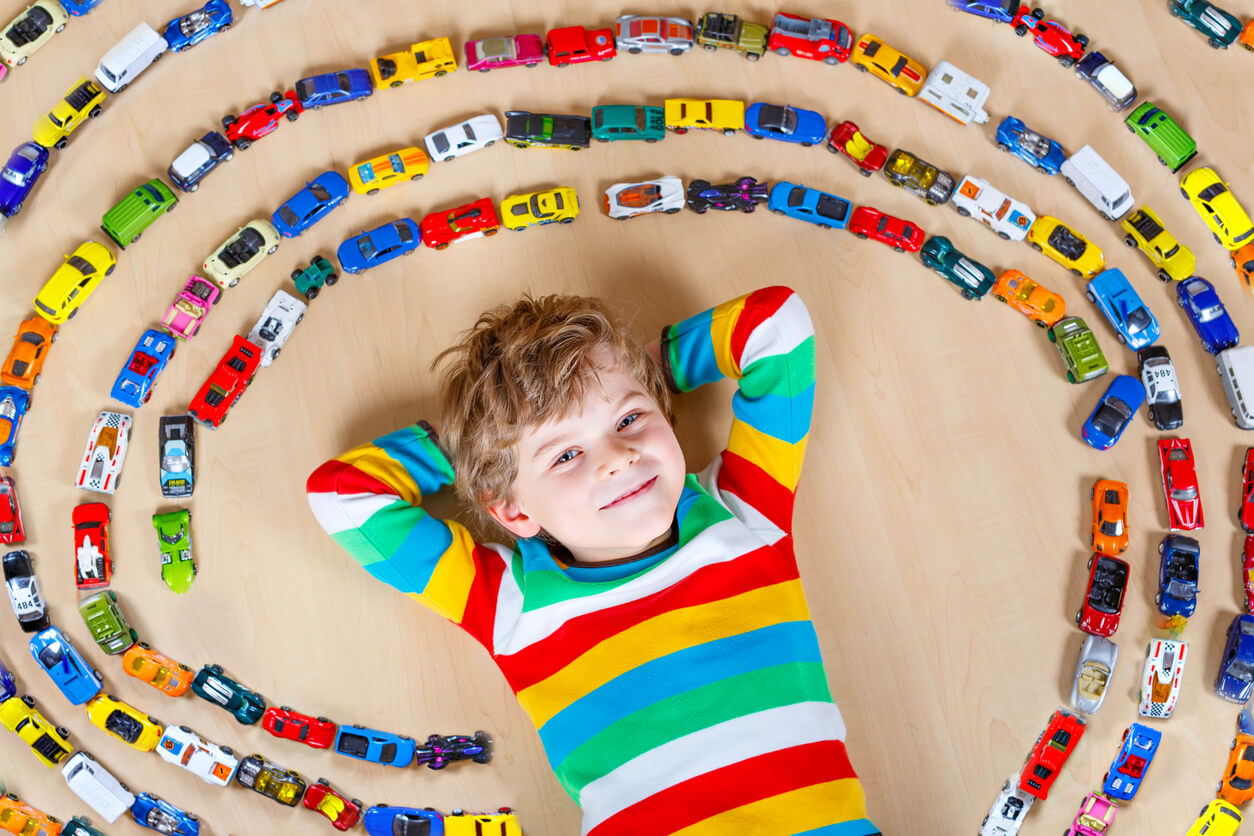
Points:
717	30
1145	231
81	103
1079	349
310	281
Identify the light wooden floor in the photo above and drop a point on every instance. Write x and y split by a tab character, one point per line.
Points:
942	520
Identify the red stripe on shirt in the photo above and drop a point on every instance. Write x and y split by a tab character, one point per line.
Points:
337	477
755	487
759	307
478	620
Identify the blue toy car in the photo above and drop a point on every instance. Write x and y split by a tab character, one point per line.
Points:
1235	680
1002	11
28	161
1113	412
1037	150
65	665
785	123
78	8
163	817
311	204
1134	325
1127	770
8	688
379	246
200	158
192	28
13	405
382	820
333	88
825	210
135	382
1178	565
1209	317
375	745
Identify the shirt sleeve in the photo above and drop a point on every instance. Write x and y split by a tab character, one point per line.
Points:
369	501
765	341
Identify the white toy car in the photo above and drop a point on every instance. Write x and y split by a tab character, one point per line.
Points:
642	33
1009	218
458	140
106	451
626	200
23	587
214	764
1160	683
91	782
1093	672
1008	811
277	321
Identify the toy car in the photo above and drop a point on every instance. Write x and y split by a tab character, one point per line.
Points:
506	51
1009	810
1040	152
1106	79
1184	503
1146	232
1247	36
1093	672
339	810
311	204
1220	27
785	123
23	587
309	281
1096	815
11	530
501	823
135	212
374	745
1237	785
1177	575
288	723
919	177
212	685
26	165
1235	680
30	30
553	206
1229	223
80	826
1099	182
1037	302
1247	571
819	39
1054	745
162	816
627	200
441	750
385	820
174	538
1050	36
1242	260
717	30
577	45
8	688
243	251
125	722
264	777
379	246
176	437
261	120
14	403
1066	246
1160	682
91	782
611	123
65	665
1207	313
77	8
1109	535
105	453
745	194
138	377
318	91
158	670
423	60
1219	818
1103	600
16	816
473	220
30	348
683	115
75	280
1009	218
826	211
273	329
972	278
901	72
81	102
463	138
1002	11
1114	295
847	139
1080	352
1135	755
901	235
1163	135
190	29
226	383
20	716
199	158
92	564
210	762
640	33
955	93
1245	511
387	170
524	129
189	309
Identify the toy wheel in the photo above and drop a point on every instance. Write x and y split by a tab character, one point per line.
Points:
1214	43
185	729
61	143
227	750
861	235
275	97
226	158
755	136
533	65
416	176
322	719
324	782
332	279
752	56
1164	276
242	144
1089	295
54	336
731	132
357	801
399	83
233	283
94	112
292	115
63	731
567	220
441	246
193	187
73	314
35	382
28	700
505	810
1066	60
1036	247
62	26
311	293
862	68
667	211
709	47
966	213
1078	616
272	250
607	58
192	816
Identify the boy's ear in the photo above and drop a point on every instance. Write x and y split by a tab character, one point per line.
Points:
513	518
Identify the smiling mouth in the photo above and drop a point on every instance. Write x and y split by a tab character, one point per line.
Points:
632	494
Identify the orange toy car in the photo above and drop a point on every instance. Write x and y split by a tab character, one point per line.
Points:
1110	517
1247	36
1237	786
1036	302
30	349
18	817
161	672
1243	262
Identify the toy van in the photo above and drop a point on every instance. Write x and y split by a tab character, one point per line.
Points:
129	57
259	4
956	94
1236	370
1100	184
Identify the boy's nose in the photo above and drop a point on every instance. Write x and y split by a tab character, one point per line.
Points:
617	457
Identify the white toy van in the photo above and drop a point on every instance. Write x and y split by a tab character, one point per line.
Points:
1098	182
956	94
260	4
97	787
129	57
1236	370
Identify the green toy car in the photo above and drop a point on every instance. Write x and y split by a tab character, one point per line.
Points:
1163	135
174	536
108	626
717	30
216	687
310	280
972	278
80	826
1220	27
134	213
614	122
1079	349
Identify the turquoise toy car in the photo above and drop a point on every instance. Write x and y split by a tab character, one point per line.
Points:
972	278
310	280
214	686
611	123
1220	27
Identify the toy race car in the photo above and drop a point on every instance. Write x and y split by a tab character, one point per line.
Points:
11	530
162	816
156	669
1093	672
288	723
972	278
524	129
919	177
1180	489
374	745
93	566
1135	755
744	194
1113	412
65	666
847	139
212	685
138	377
975	198
192	28
1039	151
261	120
1054	745
14	403
281	316
1103	600
31	343
210	762
387	170
1160	682
264	777
23	587
341	811
226	384
176	440
310	281
174	538
101	468
1050	36
189	309
627	200
551	206
477	219
108	626
439	750
901	235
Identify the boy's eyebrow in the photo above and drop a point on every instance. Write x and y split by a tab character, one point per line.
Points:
554	442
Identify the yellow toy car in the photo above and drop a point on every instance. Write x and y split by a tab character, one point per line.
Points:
726	115
1066	246
501	823
387	170
30	30
81	102
873	56
425	59
18	715
1223	213
555	206
68	288
125	722
1219	818
1147	233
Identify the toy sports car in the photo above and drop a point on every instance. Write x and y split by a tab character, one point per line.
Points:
1009	810
463	138
1093	672
30	30
288	723
189	309
1009	218
744	194
1054	745
176	437
316	92
192	28
1245	511
867	155
379	246
174	538
1113	413
281	316
261	120
422	60
14	403
1109	535
551	206
1218	207
243	251
1135	755
108	626
31	344
1066	246
214	686
972	278
1237	785
524	129
1177	575
785	123
1050	35
505	51
156	669
212	763
919	177
1207	313
20	716
1184	503
1002	11
65	665
138	377
385	820
1103	601
18	178
226	383
626	200
11	530
576	45
311	204
1160	682
827	211
901	235
341	811
639	33
92	564
23	588
1038	151
125	722
1235	679
162	816
1221	28
1162	391
440	750
101	468
374	745
476	219
264	777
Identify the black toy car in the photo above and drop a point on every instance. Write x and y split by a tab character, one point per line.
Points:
524	129
1162	391
176	438
439	751
745	194
23	586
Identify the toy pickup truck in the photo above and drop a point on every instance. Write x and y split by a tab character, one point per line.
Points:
81	103
723	31
426	59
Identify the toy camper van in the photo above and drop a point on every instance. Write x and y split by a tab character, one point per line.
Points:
956	94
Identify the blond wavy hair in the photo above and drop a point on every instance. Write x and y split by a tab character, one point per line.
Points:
520	366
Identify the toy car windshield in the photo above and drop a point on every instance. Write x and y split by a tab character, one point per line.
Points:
780	119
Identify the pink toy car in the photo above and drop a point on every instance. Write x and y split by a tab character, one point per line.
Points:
1095	816
190	307
507	51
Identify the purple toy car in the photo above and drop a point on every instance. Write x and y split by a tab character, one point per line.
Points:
745	194
28	162
507	51
440	751
1095	816
190	307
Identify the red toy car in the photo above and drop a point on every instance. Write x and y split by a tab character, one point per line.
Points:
292	725
868	222
1050	753
818	39
92	564
474	220
1184	503
226	383
261	119
867	155
11	530
1050	35
341	812
1103	600
1247	571
575	45
1245	513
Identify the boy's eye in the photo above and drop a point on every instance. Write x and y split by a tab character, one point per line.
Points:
565	457
630	419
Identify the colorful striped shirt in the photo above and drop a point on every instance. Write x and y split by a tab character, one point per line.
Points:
681	693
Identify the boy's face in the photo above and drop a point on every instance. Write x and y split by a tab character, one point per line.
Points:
605	480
